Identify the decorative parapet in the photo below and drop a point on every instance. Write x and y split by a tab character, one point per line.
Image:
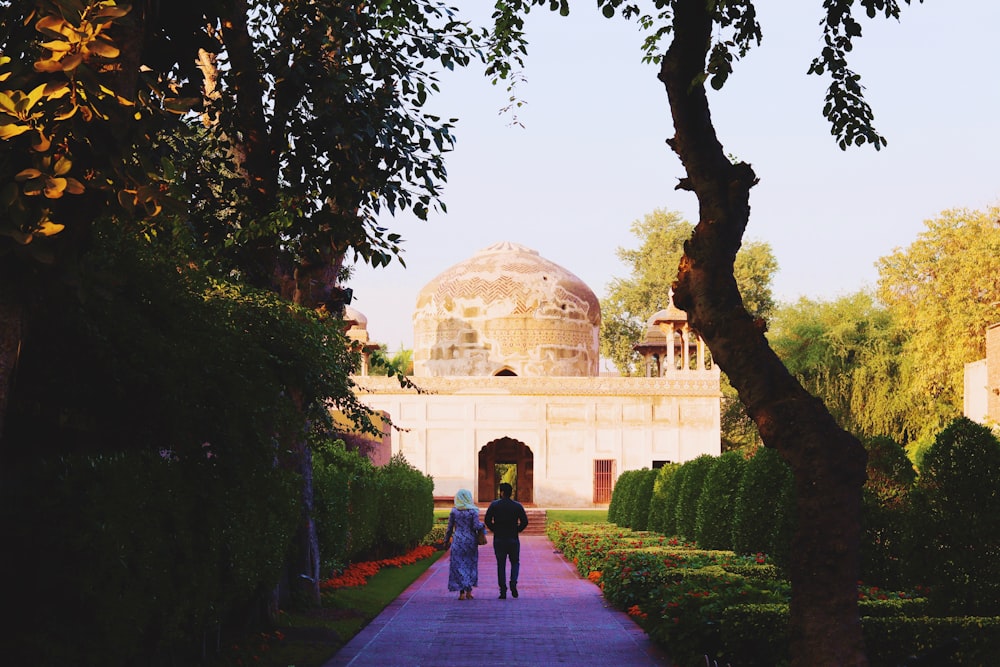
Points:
703	383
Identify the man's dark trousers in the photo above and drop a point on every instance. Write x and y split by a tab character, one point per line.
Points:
507	548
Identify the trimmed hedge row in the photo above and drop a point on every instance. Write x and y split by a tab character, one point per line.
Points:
698	602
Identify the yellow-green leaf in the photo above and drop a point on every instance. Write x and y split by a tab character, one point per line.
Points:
63	165
103	49
42	143
54	187
112	11
57	45
35	95
48	228
12	130
25	174
66	114
56	89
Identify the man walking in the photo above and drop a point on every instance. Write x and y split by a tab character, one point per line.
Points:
506	519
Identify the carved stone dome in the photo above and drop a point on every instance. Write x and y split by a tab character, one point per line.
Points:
506	311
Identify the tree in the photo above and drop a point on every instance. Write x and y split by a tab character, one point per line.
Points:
943	291
849	353
267	169
632	301
828	463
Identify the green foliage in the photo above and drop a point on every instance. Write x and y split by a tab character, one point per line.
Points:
849	353
717	503
670	499
764	516
199	535
653	267
336	470
642	498
657	503
399	363
941	291
620	509
406	505
690	493
884	512
955	538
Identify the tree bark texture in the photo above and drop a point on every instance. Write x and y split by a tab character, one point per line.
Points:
828	463
11	334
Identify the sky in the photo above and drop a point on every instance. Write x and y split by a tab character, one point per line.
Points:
589	156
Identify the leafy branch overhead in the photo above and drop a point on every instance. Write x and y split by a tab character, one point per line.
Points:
737	30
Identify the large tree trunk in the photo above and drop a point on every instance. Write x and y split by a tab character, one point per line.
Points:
11	333
828	463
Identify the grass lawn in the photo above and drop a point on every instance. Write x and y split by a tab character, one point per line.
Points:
309	638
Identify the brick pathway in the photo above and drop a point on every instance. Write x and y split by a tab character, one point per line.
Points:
559	619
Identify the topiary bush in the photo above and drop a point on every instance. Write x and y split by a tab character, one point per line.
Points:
954	535
884	509
714	516
623	499
689	493
643	495
764	516
657	502
406	505
671	494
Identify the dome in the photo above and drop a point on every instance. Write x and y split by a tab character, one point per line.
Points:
357	324
506	311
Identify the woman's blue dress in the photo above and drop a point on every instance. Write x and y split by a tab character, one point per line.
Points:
463	570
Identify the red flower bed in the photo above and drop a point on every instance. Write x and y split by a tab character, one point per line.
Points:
358	574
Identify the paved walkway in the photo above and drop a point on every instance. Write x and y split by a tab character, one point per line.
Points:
559	618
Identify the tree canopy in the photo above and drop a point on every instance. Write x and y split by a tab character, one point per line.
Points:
943	291
653	267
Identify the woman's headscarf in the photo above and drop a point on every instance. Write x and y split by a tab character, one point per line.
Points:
463	500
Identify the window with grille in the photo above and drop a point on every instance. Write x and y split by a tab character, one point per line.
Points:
604	480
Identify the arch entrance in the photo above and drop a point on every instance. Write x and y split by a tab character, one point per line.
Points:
506	460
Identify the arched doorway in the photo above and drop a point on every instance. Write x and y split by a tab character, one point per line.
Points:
506	459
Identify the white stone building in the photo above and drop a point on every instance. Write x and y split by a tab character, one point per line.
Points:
506	358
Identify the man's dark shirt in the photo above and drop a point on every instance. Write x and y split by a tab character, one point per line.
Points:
506	518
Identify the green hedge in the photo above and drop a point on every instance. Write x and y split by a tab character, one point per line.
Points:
138	554
714	517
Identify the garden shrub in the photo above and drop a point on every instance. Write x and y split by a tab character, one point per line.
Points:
335	470
714	517
406	505
754	635
657	502
201	538
954	535
689	494
643	494
763	519
961	640
623	499
885	500
671	494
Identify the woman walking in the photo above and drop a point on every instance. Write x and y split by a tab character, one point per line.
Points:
463	525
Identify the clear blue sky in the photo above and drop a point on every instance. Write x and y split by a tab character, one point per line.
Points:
592	158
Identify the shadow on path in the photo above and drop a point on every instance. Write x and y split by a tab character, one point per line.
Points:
559	618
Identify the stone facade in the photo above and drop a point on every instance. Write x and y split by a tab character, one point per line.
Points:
566	428
506	385
981	402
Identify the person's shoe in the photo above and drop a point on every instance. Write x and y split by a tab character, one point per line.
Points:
468	595
503	595
461	595
513	590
